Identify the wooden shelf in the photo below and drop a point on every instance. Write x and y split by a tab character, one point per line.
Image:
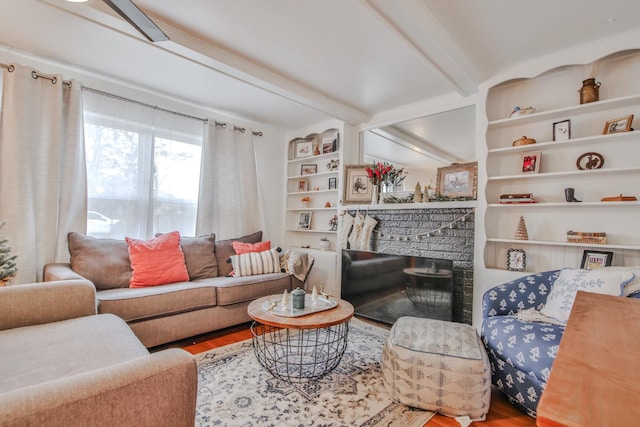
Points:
560	204
314	158
564	173
311	175
567	244
306	193
331	209
404	206
312	231
551	145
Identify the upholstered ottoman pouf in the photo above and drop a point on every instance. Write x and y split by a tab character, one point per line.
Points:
438	366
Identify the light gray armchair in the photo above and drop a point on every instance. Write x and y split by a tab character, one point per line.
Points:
64	365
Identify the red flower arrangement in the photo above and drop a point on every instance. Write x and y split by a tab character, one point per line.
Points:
384	172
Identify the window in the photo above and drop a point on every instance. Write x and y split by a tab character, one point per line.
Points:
143	169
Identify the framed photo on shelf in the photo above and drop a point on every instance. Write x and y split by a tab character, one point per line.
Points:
458	180
333	183
304	220
595	259
562	130
623	124
530	162
304	148
303	185
516	260
308	169
357	187
329	145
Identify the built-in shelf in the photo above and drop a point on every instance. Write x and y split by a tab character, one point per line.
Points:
313	209
314	158
310	175
552	243
305	193
311	231
562	204
603	105
564	173
550	145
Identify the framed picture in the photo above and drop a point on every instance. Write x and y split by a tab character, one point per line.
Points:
304	148
304	221
357	188
303	185
530	162
333	183
516	260
458	180
308	169
623	124
329	145
562	130
596	259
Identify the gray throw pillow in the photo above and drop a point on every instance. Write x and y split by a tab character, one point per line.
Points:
105	262
199	256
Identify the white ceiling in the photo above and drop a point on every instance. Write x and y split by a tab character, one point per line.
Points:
293	63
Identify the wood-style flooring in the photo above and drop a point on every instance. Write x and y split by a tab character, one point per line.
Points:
501	412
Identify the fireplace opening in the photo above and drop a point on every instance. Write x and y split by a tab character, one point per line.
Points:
384	287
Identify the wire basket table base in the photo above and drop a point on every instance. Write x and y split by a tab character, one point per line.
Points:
298	355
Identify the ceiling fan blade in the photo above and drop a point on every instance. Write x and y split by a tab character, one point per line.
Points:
133	15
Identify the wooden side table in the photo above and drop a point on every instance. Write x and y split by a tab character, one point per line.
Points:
595	379
297	349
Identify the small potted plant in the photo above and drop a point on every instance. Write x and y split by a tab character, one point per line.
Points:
324	243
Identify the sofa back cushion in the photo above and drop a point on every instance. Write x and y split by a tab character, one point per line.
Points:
199	255
105	262
224	250
157	261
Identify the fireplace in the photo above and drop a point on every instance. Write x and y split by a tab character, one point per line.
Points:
416	238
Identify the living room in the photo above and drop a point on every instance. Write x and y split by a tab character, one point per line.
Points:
377	66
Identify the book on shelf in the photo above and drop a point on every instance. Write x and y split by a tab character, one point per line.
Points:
517	198
587	233
587	237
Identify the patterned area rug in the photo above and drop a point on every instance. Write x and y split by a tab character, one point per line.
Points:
234	390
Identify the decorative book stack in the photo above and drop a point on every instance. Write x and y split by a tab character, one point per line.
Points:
587	237
517	198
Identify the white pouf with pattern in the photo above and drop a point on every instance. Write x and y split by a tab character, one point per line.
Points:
438	366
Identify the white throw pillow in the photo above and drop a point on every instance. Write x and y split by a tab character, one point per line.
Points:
570	281
633	287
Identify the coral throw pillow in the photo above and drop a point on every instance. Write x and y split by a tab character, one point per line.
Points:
246	248
158	261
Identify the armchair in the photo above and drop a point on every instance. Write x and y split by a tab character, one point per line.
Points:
520	352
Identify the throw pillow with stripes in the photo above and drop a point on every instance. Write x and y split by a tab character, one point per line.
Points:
253	263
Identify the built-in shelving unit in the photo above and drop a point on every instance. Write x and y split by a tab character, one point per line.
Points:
552	216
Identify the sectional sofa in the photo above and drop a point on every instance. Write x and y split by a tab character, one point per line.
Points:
208	301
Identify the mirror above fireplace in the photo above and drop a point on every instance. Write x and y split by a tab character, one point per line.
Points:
422	145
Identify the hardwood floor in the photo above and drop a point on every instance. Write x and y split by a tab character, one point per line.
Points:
501	413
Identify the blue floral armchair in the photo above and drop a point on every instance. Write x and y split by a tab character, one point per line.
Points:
520	352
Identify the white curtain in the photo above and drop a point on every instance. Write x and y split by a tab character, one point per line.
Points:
228	204
43	189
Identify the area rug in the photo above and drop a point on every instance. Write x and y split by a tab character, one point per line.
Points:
235	390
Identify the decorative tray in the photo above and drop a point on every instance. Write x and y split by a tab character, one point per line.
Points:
310	306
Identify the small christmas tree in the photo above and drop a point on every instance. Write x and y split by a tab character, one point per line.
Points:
521	231
8	267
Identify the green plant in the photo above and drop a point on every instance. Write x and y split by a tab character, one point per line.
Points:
8	266
324	239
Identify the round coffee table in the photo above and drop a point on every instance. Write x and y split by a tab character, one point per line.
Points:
297	349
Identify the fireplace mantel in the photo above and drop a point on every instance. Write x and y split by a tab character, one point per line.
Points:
401	206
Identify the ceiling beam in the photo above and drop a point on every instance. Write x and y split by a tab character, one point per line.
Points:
413	21
413	143
219	59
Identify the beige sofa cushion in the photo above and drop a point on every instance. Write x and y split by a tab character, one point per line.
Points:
200	257
157	301
232	290
102	341
103	261
224	250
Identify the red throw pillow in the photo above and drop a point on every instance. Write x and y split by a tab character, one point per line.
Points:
158	261
245	248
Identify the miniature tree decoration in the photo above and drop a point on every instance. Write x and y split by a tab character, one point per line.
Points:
8	268
521	231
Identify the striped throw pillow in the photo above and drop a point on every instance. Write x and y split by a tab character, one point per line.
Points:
253	263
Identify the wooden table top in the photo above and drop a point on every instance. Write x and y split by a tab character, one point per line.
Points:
322	319
595	380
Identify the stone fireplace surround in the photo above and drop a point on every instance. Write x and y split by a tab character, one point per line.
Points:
396	233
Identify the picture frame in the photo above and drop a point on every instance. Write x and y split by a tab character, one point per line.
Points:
304	148
562	130
357	187
595	259
530	162
329	145
308	169
516	260
333	183
304	220
622	124
458	180
303	185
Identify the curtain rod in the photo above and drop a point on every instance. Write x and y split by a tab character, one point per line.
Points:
155	107
54	80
